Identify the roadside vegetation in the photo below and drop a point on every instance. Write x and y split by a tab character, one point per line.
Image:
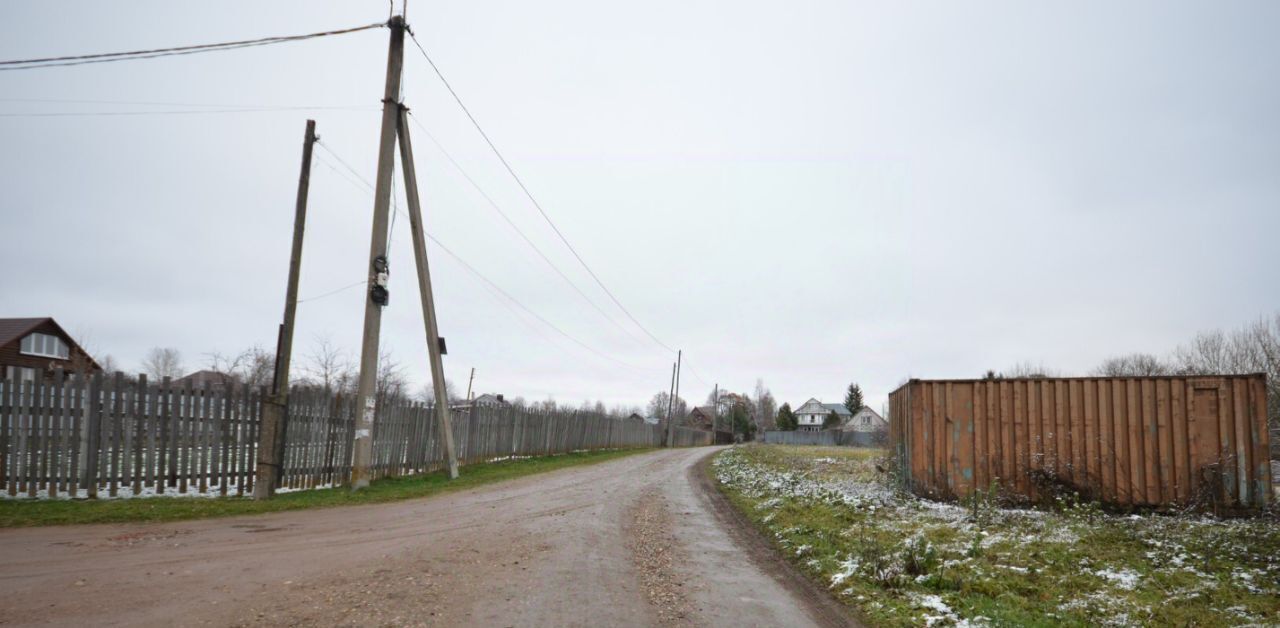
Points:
905	561
22	512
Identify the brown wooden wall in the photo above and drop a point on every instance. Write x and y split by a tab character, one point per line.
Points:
1144	441
11	352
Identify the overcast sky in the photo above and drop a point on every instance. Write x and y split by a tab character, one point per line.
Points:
811	193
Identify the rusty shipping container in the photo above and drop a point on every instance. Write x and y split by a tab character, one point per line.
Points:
1128	441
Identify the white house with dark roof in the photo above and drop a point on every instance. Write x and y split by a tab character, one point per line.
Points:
866	420
810	416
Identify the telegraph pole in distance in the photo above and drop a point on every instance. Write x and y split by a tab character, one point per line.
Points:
671	426
366	392
435	344
275	412
715	411
471	380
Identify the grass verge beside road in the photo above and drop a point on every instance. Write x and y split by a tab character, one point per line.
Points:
21	512
905	561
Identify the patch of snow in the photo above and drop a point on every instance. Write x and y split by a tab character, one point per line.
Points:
1125	578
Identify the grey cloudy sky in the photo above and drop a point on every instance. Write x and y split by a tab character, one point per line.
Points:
807	192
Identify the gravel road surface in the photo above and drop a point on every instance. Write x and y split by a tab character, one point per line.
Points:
639	541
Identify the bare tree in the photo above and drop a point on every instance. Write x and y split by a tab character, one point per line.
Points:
162	362
1027	369
327	366
254	366
392	381
109	364
1132	365
766	410
428	392
658	406
1254	348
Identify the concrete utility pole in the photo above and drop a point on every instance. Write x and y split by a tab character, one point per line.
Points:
366	392
275	413
434	342
671	400
671	426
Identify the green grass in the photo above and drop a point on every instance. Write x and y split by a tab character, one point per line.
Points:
20	513
844	525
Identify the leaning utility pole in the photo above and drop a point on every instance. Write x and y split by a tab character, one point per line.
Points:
376	296
671	427
470	380
275	412
435	344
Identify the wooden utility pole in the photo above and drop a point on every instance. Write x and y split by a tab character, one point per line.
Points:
375	295
275	414
470	380
715	410
671	427
666	432
434	343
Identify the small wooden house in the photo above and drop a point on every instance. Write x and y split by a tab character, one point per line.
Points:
36	347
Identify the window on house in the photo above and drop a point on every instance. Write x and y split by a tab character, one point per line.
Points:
20	374
45	345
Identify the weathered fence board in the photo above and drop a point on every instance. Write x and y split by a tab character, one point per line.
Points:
1132	441
827	438
78	435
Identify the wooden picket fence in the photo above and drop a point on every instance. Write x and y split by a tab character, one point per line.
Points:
75	436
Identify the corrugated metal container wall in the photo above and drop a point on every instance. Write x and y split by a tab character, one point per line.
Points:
1144	441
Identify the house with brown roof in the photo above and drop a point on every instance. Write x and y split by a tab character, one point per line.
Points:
701	417
36	347
208	379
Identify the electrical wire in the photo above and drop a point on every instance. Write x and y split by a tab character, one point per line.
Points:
335	291
107	57
493	204
530	196
81	114
520	305
152	103
370	188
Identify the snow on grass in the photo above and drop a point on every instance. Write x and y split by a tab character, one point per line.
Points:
894	555
1125	579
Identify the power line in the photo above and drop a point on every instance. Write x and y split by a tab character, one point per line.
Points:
74	114
369	186
517	229
520	305
334	291
528	194
152	103
107	57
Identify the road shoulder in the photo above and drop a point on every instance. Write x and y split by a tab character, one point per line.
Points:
821	607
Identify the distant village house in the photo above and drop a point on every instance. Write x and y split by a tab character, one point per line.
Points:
811	415
32	348
866	420
487	400
701	417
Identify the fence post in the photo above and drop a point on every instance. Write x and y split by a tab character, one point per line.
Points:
93	435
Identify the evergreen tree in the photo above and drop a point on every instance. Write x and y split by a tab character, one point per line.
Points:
742	423
832	420
787	420
853	398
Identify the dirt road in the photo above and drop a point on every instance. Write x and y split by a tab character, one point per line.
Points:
635	541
